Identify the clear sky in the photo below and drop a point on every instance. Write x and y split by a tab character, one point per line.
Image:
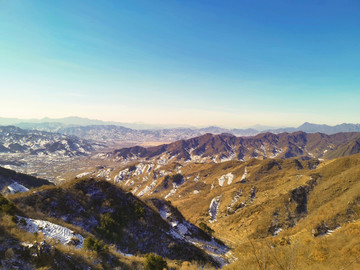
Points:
227	63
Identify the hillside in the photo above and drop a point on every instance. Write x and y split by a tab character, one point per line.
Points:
34	142
296	210
300	212
223	147
12	182
101	210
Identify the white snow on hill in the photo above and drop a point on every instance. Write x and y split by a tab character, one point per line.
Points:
82	175
64	235
214	208
16	187
243	177
229	177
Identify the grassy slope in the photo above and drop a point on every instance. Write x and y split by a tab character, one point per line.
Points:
332	199
333	191
77	204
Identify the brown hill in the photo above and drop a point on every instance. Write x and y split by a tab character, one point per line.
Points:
8	177
119	218
290	212
228	147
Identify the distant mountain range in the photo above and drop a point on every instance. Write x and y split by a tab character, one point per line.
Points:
223	147
314	128
83	127
52	124
40	143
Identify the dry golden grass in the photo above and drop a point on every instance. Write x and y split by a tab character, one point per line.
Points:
333	200
337	189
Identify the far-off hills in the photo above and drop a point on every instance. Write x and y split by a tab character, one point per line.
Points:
217	148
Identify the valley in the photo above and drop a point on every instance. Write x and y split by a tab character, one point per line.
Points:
268	194
179	135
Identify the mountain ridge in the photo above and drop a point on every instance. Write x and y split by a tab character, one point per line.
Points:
52	124
217	148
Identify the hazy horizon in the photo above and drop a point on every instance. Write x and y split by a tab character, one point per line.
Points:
200	63
140	125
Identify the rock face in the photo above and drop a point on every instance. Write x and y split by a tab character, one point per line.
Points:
295	208
215	248
223	147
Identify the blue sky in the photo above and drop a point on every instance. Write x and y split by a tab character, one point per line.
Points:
228	63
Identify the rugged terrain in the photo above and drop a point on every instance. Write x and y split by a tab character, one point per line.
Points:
40	143
41	153
272	201
99	210
267	208
13	182
299	212
223	147
115	132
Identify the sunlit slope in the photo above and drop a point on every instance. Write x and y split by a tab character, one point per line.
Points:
263	200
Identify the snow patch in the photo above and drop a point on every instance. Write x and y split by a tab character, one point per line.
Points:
174	189
16	187
276	152
243	177
104	173
330	232
214	208
64	235
147	189
229	177
234	200
121	176
172	192
82	175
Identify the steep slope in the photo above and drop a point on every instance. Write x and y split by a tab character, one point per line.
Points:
119	218
17	254
276	206
39	244
348	149
18	181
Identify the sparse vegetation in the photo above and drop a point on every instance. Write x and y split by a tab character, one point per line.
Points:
139	209
177	178
300	218
6	206
154	262
94	245
206	228
22	222
111	226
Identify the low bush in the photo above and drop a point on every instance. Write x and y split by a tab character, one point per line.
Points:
206	228
154	262
94	245
6	206
111	226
